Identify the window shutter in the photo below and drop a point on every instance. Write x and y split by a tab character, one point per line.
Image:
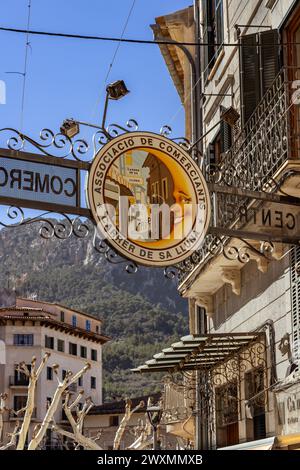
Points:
295	300
269	58
249	75
258	68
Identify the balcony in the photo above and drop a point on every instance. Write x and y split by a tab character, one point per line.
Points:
262	151
178	410
18	381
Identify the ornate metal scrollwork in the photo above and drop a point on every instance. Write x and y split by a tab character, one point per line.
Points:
257	153
59	145
50	227
215	393
110	255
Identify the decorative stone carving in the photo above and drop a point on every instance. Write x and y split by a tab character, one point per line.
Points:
232	276
261	260
278	251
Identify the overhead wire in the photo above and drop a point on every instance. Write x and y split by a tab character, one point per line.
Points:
115	53
27	45
137	41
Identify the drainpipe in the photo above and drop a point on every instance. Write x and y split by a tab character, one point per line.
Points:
201	424
198	103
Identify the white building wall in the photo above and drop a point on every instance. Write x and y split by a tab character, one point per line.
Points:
46	388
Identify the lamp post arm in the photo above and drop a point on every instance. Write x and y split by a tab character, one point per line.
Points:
105	110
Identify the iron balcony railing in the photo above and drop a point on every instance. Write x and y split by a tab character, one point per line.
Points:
178	404
270	138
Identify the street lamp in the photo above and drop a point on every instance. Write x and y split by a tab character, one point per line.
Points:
154	414
114	91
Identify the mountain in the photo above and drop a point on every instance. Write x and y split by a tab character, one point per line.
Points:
142	312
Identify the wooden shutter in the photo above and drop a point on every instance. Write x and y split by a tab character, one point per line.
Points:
226	136
295	299
249	76
259	65
269	58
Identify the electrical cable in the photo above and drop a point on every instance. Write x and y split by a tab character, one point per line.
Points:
115	54
139	41
27	44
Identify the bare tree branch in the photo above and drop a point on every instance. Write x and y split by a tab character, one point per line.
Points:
61	388
33	375
3	409
13	438
77	425
124	422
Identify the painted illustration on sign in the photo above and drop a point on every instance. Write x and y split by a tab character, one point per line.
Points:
149	198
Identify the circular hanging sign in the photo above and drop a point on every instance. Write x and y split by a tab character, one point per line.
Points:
148	198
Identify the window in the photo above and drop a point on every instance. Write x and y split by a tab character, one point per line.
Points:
20	402
60	345
49	342
201	320
157	192
94	354
97	329
80	382
62	316
49	373
114	420
19	377
74	321
255	409
63	374
73	349
227	430
83	351
213	32
93	382
88	325
220	144
23	340
258	68
164	184
48	402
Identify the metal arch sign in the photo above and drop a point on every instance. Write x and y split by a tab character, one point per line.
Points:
41	182
149	199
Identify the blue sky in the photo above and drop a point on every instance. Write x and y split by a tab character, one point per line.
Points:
65	77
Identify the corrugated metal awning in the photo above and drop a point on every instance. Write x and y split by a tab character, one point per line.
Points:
198	352
261	444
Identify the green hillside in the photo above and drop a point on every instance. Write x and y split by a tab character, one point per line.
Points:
142	312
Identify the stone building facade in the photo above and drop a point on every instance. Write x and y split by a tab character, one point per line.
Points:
245	284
